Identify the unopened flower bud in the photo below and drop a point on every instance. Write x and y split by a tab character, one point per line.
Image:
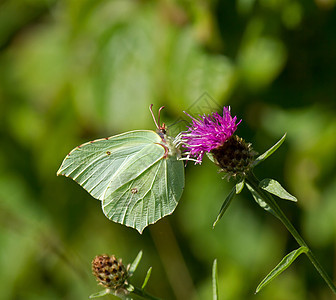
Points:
110	272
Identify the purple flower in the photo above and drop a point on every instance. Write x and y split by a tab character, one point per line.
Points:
206	133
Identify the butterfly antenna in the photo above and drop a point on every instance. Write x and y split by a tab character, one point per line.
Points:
157	123
151	110
159	113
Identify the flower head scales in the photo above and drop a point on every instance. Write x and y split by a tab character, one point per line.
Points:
208	132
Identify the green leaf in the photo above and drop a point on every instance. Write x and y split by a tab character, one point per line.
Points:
130	288
282	266
101	293
137	175
275	188
135	263
210	156
225	205
235	190
269	152
214	281
114	294
149	272
259	200
240	186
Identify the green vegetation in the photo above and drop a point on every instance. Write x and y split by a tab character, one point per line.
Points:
73	71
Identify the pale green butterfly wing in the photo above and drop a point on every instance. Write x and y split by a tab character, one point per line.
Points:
133	175
141	198
93	164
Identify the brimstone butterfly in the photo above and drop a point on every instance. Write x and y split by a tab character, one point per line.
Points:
137	175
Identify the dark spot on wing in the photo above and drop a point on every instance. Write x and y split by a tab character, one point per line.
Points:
134	190
108	152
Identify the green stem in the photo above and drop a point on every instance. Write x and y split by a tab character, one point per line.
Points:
143	294
254	183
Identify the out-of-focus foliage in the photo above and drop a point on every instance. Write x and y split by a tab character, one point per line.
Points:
72	71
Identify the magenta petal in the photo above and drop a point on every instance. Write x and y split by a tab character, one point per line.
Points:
208	132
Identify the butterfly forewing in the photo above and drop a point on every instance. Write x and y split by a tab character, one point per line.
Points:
93	164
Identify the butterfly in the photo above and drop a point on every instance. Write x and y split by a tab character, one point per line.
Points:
137	175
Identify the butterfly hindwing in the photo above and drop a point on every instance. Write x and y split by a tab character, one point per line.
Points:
151	195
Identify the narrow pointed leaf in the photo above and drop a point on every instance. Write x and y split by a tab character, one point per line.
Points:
135	263
130	288
282	266
269	152
124	297
210	156
100	294
240	186
259	200
149	272
214	281
235	190
225	205
275	188
112	294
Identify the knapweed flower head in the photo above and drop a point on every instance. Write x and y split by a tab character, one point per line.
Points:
208	132
110	272
213	134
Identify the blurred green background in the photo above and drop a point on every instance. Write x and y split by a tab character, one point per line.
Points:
73	71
